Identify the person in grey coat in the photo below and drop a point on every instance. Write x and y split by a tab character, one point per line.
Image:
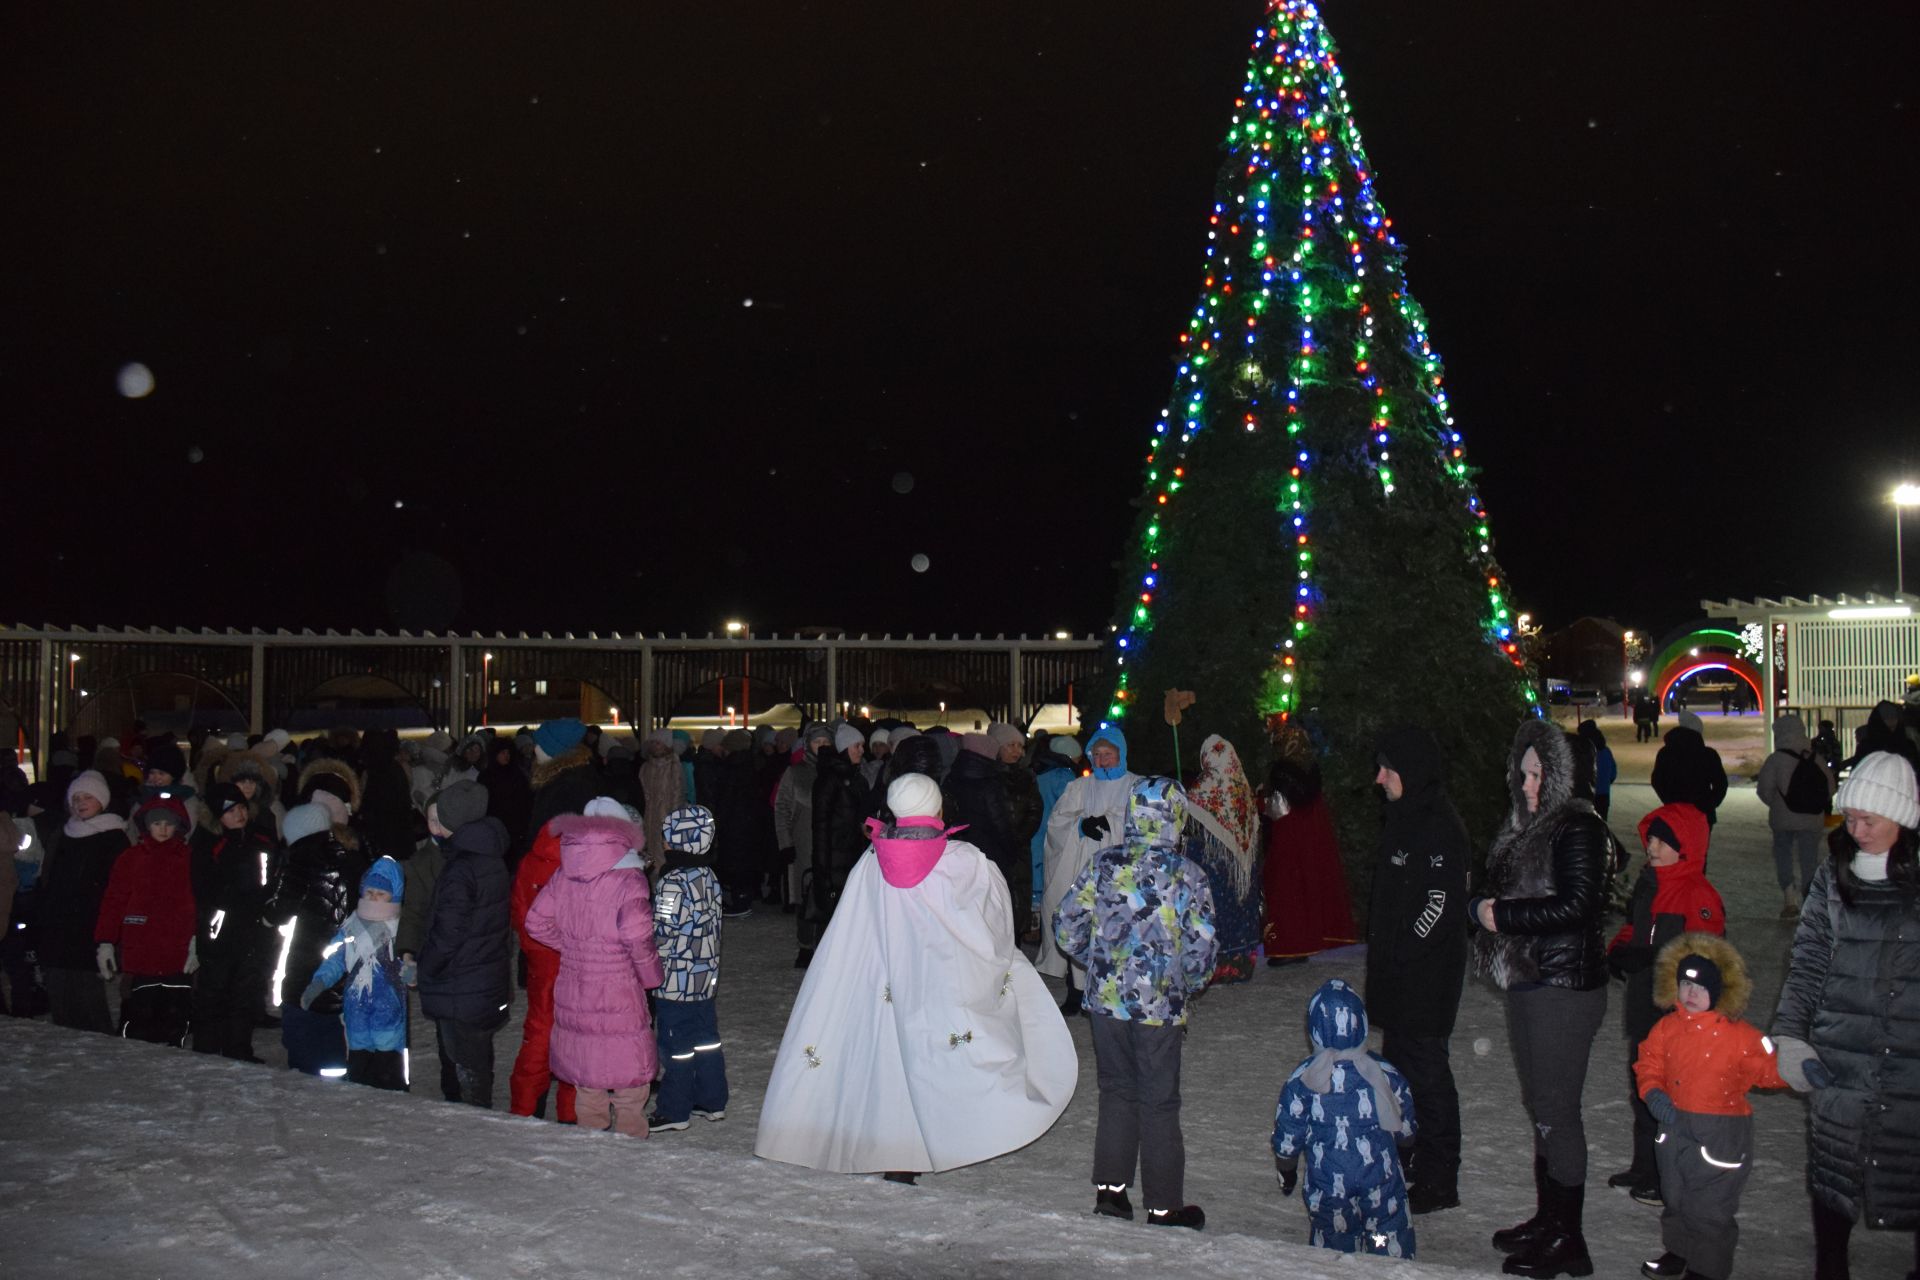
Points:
1796	832
1848	1025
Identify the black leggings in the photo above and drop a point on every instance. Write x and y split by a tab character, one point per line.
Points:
1831	1231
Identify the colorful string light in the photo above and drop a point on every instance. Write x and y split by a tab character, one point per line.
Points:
1340	290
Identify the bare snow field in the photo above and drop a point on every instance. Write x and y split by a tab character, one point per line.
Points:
121	1159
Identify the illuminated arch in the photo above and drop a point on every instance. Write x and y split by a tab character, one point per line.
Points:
1715	662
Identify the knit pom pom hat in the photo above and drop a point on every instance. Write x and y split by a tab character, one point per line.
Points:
1882	784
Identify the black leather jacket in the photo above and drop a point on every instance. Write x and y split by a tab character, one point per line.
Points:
1565	926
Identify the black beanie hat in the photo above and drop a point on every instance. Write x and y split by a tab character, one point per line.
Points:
164	754
1702	972
222	796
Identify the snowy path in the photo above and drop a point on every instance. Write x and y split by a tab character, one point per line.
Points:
126	1159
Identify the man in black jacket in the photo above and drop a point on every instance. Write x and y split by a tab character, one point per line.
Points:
1417	951
1688	771
463	978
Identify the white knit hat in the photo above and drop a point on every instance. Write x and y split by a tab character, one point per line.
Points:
879	736
846	736
1882	784
914	795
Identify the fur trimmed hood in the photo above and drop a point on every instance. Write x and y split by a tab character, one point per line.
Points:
1735	985
1549	742
340	769
592	846
546	771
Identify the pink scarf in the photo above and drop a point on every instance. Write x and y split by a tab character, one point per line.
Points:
907	857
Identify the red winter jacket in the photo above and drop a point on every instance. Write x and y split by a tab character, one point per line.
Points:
541	864
148	907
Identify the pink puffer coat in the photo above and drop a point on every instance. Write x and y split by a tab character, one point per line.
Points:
600	919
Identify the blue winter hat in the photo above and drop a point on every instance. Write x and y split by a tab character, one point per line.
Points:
557	737
1336	1016
688	832
1109	733
1156	813
385	874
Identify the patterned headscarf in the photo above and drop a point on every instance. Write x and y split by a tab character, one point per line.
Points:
1224	793
1156	814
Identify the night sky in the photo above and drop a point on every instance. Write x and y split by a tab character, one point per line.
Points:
630	316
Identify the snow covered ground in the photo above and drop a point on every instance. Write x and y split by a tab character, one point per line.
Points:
126	1159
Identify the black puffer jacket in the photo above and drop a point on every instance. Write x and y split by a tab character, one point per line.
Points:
1548	875
563	784
231	871
1417	928
1851	993
318	884
75	880
463	962
1688	771
979	794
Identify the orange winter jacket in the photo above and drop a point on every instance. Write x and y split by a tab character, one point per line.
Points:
1706	1062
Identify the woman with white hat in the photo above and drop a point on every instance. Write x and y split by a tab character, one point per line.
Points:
1848	1025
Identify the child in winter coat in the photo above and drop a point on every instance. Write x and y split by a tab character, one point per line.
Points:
686	930
1349	1111
374	1004
232	866
598	914
1694	1070
1139	919
148	914
1671	897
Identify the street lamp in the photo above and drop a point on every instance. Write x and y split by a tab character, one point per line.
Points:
1906	495
735	627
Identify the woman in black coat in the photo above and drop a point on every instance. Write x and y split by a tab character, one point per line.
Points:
1538	915
1848	1024
315	887
79	858
839	838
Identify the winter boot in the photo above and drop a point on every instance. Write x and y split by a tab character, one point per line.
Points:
1520	1235
1185	1216
1561	1249
903	1177
1665	1267
1112	1202
1434	1193
1790	907
1071	1005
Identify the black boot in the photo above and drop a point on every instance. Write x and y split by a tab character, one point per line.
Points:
1071	1005
1560	1250
1668	1266
1112	1202
1186	1216
1520	1235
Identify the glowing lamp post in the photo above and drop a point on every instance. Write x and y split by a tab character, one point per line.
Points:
1907	495
738	630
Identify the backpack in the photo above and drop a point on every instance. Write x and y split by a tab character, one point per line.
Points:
1806	791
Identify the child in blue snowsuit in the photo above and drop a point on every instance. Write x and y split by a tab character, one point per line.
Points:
374	1004
686	930
1348	1111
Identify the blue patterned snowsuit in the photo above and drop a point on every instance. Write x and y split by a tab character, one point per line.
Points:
1355	1190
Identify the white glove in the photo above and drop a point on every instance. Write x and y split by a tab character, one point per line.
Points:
103	956
193	955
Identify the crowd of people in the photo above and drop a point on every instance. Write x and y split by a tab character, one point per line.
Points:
327	880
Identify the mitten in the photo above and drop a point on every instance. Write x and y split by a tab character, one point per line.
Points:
1817	1074
312	993
1793	1056
1661	1106
1288	1172
410	972
1094	828
103	956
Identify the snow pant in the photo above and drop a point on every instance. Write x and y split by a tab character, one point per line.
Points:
1423	1061
1138	1068
527	1084
378	1068
157	1008
1831	1231
229	990
470	1045
1703	1166
1552	1030
696	1070
616	1110
1788	843
77	998
316	1043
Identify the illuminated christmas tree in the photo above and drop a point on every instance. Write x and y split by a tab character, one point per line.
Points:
1312	544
